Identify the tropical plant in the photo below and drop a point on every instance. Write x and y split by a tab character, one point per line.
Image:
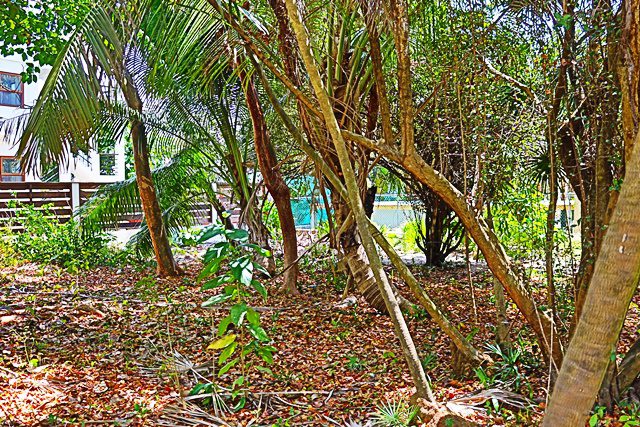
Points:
102	63
46	240
394	414
229	265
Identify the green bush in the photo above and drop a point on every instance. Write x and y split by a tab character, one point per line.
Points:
46	240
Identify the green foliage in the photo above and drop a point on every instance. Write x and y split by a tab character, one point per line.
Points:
229	264
48	241
36	30
8	255
629	413
355	364
508	371
394	414
520	218
429	361
404	238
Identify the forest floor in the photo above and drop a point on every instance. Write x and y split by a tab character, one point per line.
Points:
120	347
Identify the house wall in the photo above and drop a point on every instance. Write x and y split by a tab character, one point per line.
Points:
80	169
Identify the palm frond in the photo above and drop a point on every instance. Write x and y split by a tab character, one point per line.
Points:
183	187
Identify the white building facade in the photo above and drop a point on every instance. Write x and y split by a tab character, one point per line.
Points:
104	165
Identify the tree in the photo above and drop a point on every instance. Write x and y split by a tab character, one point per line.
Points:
422	386
277	187
37	30
617	268
103	49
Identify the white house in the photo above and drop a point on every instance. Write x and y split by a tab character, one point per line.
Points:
17	98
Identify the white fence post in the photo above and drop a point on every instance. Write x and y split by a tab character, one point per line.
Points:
214	213
75	196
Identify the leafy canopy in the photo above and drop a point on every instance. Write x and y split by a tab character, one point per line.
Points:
37	30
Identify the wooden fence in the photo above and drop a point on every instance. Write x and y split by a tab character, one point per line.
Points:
63	198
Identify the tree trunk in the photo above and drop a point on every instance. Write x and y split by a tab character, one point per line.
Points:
149	200
144	179
615	279
258	233
469	353
549	234
436	314
502	321
629	368
355	202
486	240
617	269
274	182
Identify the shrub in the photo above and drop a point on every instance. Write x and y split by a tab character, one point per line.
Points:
46	240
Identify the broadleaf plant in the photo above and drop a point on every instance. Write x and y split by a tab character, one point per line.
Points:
241	341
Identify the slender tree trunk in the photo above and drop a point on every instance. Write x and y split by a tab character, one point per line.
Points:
144	179
150	205
220	210
486	240
356	260
617	269
411	355
459	341
549	233
502	321
274	182
258	233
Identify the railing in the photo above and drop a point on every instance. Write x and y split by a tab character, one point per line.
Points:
63	198
59	195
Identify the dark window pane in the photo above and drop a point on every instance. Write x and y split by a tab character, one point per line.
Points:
107	164
11	166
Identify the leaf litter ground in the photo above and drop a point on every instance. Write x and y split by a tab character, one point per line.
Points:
120	347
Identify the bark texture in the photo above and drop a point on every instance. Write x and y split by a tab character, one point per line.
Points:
349	244
144	180
486	240
149	201
275	183
422	387
614	282
617	269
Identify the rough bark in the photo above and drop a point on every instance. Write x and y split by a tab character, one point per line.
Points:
275	183
149	201
258	233
629	368
617	268
358	264
148	197
469	352
422	386
615	279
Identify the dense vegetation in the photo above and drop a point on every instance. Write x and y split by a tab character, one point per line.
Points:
497	121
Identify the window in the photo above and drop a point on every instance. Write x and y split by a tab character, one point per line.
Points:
11	90
10	170
107	164
106	149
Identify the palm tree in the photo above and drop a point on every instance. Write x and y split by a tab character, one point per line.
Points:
100	71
